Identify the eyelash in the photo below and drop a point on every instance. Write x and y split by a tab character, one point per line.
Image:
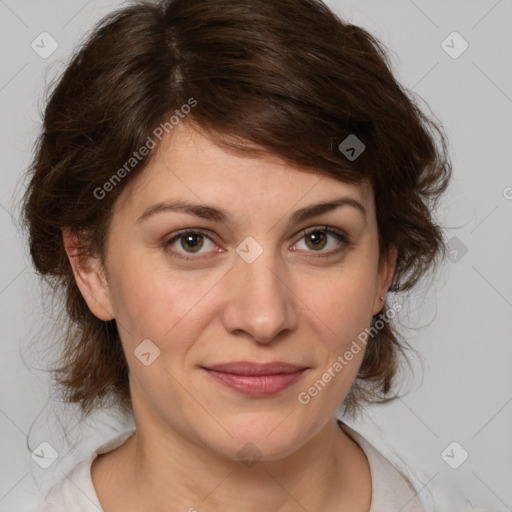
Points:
340	235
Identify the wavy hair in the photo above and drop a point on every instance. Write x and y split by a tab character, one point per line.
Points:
287	78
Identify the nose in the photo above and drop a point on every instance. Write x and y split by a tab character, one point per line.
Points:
260	299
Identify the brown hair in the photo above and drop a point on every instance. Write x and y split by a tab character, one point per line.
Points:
285	77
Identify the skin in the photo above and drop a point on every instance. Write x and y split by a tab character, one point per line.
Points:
294	303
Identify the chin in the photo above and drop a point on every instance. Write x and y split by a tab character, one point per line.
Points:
268	438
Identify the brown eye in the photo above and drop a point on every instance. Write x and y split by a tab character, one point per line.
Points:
194	241
317	239
188	242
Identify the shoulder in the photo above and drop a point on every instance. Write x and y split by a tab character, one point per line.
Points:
75	491
391	489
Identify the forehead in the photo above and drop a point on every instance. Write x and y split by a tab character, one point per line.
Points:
188	163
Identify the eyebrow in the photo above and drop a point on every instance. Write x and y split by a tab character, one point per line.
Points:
220	215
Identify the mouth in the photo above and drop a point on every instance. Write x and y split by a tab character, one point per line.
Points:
256	379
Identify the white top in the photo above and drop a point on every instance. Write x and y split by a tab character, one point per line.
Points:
391	490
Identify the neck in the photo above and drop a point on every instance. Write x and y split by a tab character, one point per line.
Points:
159	467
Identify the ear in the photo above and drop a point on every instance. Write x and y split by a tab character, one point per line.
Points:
384	278
90	277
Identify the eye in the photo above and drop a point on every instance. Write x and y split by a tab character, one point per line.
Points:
190	241
316	239
185	244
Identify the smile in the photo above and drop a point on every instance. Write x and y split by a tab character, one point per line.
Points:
256	380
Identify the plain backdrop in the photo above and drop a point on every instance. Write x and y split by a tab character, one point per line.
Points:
459	404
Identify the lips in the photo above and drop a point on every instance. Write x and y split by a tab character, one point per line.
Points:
256	379
248	368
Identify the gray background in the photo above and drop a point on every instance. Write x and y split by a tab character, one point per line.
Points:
461	324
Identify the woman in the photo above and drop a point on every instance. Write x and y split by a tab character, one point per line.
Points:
225	191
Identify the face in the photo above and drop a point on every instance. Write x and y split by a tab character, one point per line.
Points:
255	278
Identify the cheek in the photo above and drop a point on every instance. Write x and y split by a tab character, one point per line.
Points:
343	304
152	302
141	301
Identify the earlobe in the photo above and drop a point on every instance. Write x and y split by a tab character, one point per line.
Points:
89	276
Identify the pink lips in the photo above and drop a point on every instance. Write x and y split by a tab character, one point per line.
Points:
256	379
